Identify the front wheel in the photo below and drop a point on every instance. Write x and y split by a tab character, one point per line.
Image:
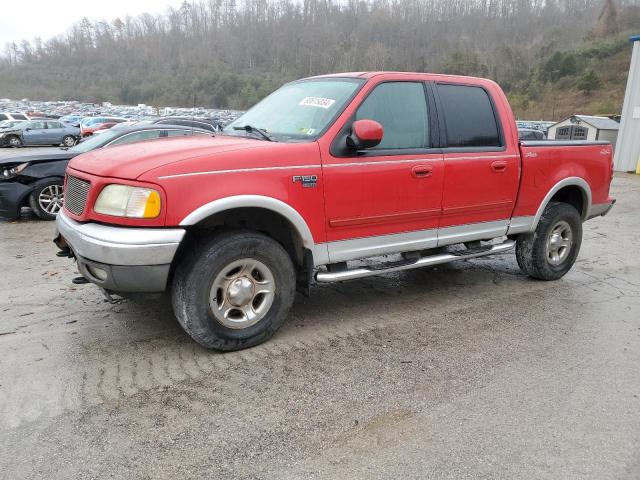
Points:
550	252
46	200
235	291
14	141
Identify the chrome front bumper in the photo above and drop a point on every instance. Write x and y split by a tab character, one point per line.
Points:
121	259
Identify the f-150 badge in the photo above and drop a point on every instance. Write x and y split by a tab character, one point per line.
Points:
307	181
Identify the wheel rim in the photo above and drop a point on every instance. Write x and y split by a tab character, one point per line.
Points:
14	142
559	243
242	293
51	199
69	142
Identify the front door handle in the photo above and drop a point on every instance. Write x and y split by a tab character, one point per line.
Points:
422	171
499	166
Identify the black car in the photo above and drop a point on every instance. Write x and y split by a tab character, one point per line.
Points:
196	122
37	179
531	134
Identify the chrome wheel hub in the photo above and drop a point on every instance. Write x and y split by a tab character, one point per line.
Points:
51	199
559	243
242	293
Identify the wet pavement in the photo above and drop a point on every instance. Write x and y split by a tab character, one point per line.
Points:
469	370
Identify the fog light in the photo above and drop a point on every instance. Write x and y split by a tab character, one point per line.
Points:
98	273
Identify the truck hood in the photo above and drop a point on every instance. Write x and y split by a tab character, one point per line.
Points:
131	161
44	155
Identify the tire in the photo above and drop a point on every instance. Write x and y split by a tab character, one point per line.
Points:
68	141
14	141
217	286
46	199
550	252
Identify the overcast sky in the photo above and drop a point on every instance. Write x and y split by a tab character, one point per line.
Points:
48	18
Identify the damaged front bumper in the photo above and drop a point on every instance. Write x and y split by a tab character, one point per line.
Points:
120	259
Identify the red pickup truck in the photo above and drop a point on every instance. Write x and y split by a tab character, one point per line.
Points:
323	173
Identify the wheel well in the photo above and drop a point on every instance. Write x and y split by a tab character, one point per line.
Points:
572	195
263	220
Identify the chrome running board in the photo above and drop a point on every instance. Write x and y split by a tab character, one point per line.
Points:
362	272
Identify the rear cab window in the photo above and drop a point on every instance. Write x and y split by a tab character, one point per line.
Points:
469	117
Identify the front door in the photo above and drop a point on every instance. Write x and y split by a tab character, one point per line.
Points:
481	166
387	198
35	133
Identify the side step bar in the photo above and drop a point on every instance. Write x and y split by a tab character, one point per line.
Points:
362	272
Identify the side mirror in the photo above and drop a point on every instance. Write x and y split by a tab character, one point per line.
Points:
27	129
365	134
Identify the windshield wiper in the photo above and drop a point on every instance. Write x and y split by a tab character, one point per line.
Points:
251	129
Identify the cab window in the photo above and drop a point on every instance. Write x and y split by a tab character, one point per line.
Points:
401	109
469	117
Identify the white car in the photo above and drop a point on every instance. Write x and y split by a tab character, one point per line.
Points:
13	116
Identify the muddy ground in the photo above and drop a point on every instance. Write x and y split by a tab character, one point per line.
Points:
469	370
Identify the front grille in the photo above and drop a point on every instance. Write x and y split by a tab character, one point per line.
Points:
75	195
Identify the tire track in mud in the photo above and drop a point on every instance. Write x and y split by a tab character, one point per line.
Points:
110	375
121	376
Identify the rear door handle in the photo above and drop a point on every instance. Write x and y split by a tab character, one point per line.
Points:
499	166
422	171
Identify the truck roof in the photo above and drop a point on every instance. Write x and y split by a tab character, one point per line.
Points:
425	75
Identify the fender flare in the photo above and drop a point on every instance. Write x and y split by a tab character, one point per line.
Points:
567	182
253	201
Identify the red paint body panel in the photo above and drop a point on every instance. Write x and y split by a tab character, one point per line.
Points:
357	196
544	167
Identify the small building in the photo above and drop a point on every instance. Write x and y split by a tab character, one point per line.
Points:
585	127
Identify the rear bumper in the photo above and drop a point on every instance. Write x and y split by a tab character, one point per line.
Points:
120	259
600	209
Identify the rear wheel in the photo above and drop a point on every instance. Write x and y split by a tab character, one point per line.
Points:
69	141
46	200
550	252
235	291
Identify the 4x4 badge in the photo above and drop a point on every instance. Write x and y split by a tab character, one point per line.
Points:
307	181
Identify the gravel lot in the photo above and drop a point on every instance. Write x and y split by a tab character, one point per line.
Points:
469	370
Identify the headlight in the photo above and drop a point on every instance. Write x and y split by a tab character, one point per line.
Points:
127	201
8	173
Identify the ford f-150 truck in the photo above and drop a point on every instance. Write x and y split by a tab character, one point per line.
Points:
402	169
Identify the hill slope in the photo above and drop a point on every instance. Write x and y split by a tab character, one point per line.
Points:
228	54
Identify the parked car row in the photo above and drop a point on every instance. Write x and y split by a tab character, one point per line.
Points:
37	179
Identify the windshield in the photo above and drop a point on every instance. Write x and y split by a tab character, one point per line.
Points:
92	121
297	111
10	123
95	141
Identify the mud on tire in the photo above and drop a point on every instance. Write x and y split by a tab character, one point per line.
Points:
234	290
550	251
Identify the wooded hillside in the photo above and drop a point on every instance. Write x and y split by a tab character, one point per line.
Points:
553	57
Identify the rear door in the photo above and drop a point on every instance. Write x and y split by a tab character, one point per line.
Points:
388	198
481	165
55	132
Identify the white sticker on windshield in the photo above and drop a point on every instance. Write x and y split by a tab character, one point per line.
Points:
317	102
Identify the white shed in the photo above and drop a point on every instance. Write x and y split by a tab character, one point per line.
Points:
585	127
